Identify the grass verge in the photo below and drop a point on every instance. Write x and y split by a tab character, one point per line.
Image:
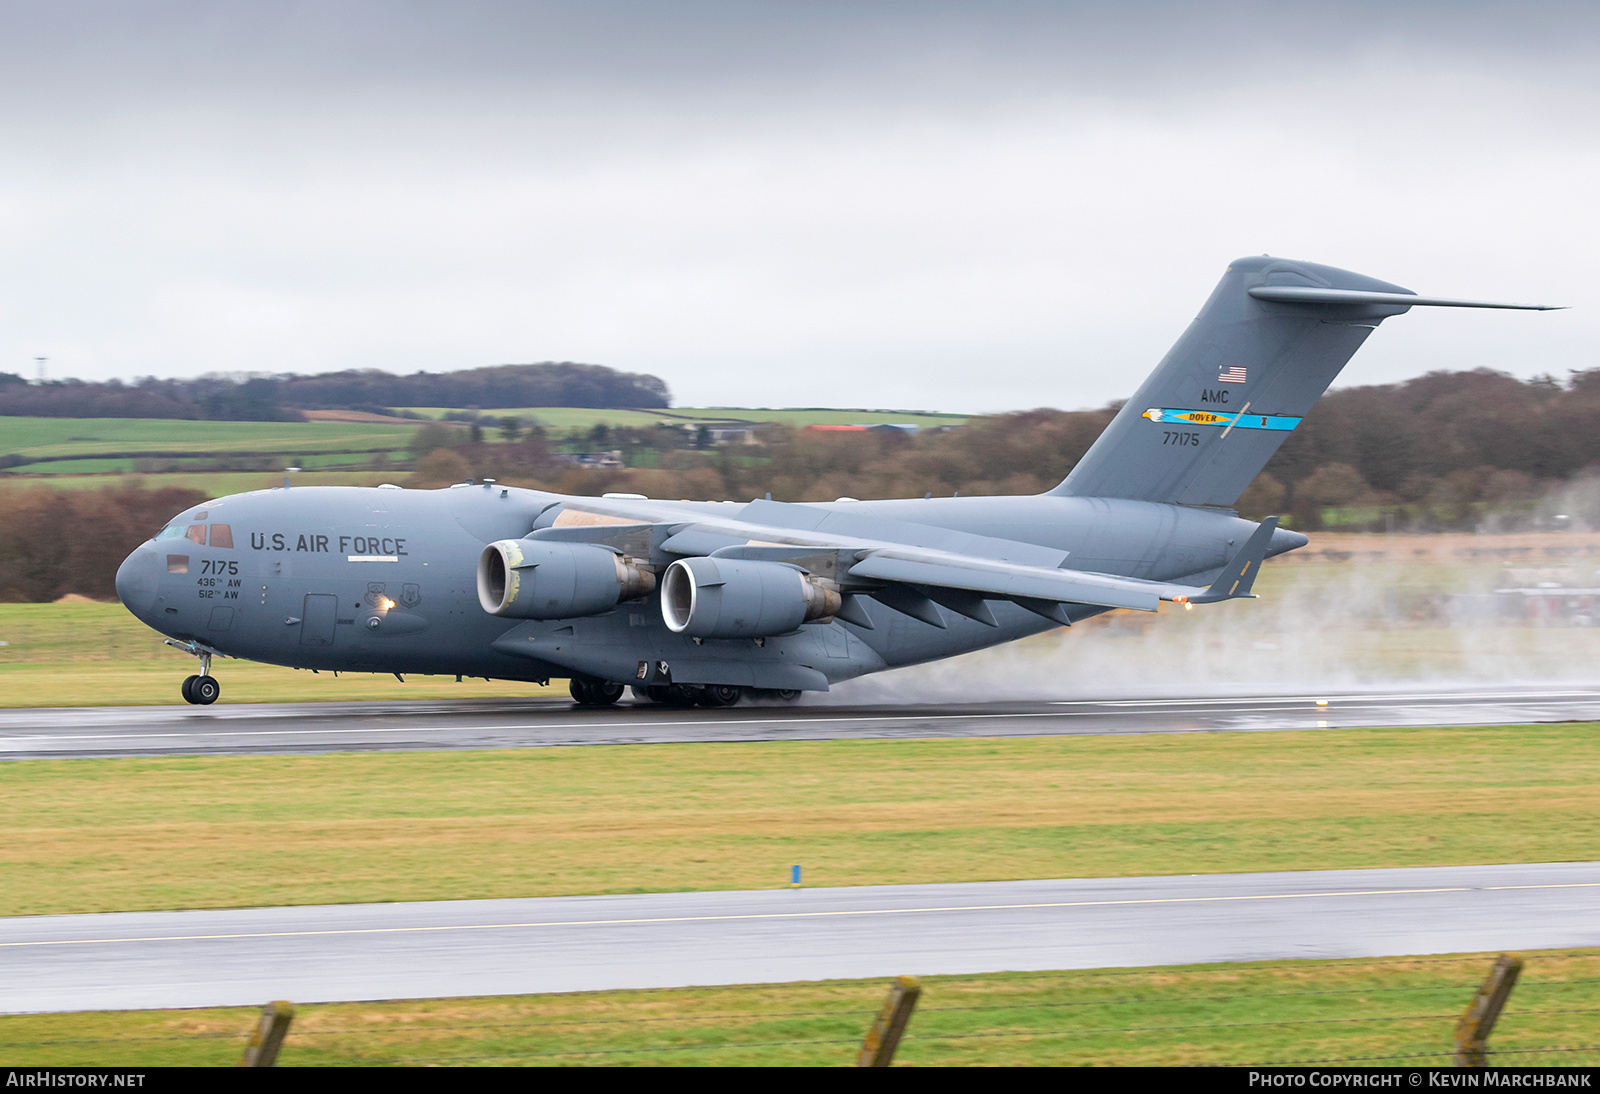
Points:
235	831
89	654
1398	1011
156	683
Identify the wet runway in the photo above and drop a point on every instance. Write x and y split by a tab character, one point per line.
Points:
511	723
495	947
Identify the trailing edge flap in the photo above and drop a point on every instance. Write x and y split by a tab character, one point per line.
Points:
1239	575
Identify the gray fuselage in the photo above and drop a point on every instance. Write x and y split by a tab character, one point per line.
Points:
384	580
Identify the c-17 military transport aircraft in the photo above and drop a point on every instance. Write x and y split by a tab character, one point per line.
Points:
709	602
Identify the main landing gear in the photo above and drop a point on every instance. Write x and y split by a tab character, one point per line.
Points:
710	695
588	691
591	691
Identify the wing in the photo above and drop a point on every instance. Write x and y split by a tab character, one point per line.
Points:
915	569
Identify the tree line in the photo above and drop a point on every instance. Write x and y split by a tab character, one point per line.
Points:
282	398
1439	452
56	542
1445	451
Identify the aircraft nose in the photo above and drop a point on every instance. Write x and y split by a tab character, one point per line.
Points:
137	581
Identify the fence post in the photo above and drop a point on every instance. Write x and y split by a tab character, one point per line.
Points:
1472	1031
262	1051
883	1037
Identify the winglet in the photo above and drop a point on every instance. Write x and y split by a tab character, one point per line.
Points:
1235	581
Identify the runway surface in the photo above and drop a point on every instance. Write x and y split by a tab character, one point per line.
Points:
492	947
512	723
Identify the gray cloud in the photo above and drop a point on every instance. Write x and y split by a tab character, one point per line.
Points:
893	204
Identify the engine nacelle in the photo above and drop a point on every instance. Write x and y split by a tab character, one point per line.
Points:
739	598
535	579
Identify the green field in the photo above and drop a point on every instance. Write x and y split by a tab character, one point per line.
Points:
92	453
215	484
565	417
95	437
1362	1013
245	831
37	437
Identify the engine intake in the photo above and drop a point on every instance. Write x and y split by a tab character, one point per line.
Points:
739	598
533	579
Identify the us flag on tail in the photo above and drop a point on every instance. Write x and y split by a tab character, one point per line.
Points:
1232	375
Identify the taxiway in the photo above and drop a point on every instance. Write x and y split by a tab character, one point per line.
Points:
495	947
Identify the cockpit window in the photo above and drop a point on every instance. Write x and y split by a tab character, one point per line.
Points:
197	532
177	564
171	531
221	535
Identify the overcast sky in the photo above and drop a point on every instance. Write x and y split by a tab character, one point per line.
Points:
952	206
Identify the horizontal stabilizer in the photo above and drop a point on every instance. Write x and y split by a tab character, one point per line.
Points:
1307	294
1256	359
1311	295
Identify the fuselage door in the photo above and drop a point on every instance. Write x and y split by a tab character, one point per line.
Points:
317	619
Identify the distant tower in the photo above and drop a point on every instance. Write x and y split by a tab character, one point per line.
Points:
41	361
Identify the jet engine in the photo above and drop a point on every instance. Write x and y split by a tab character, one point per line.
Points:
738	598
535	579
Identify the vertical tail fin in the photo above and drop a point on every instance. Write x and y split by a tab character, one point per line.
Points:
1273	336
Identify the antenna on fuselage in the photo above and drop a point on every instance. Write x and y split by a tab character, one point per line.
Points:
287	471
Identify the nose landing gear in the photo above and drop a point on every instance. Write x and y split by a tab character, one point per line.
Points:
202	689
